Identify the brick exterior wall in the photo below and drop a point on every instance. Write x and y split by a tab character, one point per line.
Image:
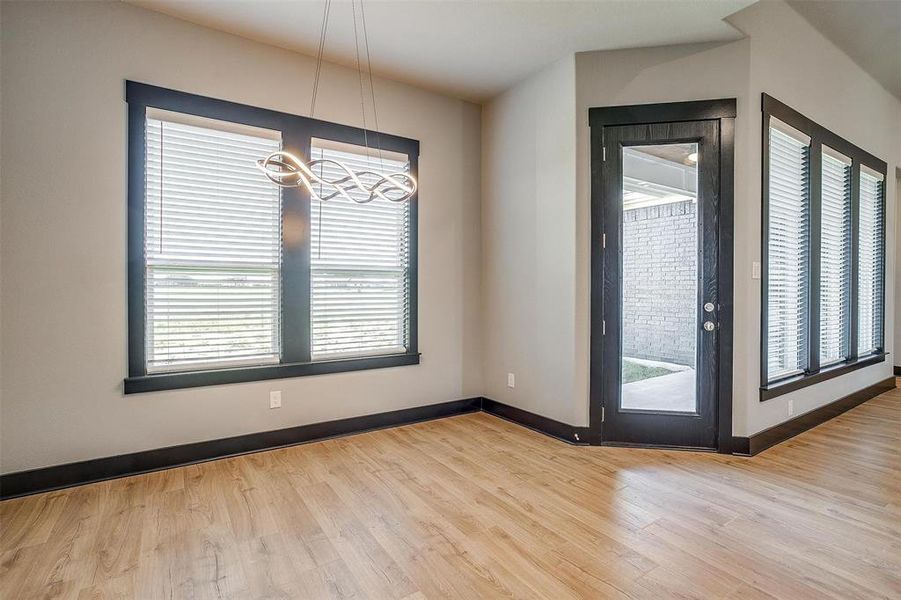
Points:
659	274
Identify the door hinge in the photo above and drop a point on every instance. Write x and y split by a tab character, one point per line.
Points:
603	327
603	240
603	414
604	153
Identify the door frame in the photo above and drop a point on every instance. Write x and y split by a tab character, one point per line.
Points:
724	112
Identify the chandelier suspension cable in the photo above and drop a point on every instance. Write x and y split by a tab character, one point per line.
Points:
375	110
287	170
322	32
353	6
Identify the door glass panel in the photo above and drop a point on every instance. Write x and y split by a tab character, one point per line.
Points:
660	278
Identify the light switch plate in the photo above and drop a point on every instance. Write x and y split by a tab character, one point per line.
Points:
275	399
755	270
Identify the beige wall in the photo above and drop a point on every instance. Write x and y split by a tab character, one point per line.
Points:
785	57
781	55
640	76
794	63
528	244
63	352
504	227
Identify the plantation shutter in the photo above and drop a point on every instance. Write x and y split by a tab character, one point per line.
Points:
212	245
871	225
835	257
360	257
788	251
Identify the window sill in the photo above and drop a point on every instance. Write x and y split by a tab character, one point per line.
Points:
791	384
174	381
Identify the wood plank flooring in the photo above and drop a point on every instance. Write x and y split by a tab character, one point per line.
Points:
475	507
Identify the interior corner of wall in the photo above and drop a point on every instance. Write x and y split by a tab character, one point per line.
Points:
741	19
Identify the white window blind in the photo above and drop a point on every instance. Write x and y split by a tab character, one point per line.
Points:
787	253
212	246
835	257
869	269
360	253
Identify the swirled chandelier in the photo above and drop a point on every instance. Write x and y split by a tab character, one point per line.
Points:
288	170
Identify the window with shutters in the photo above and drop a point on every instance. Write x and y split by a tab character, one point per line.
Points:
823	253
233	278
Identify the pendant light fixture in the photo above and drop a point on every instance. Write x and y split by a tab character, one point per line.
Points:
288	170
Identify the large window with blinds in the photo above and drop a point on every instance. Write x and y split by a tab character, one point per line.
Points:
233	278
360	284
788	251
212	246
835	256
870	261
823	253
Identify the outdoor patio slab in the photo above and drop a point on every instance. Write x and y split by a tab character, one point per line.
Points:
674	392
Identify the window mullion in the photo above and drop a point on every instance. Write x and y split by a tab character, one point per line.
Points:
764	254
849	281
855	255
880	346
296	255
413	265
815	190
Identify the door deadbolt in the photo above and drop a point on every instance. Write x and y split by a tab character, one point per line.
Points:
709	326
708	307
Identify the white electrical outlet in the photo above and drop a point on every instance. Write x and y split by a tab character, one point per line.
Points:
275	399
511	380
791	408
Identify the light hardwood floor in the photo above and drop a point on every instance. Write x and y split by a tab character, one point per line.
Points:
475	507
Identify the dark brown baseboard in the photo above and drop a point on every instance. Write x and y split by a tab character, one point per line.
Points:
56	477
555	429
767	438
61	476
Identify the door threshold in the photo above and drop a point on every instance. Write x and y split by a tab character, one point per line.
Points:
657	447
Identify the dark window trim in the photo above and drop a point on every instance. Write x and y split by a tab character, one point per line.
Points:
819	136
817	132
297	133
791	384
188	379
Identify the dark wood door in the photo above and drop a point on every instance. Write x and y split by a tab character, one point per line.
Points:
660	296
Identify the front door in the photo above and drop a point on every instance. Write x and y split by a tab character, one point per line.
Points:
659	207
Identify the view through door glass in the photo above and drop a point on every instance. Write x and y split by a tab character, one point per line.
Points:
659	278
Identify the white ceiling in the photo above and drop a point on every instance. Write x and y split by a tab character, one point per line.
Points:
469	49
868	32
